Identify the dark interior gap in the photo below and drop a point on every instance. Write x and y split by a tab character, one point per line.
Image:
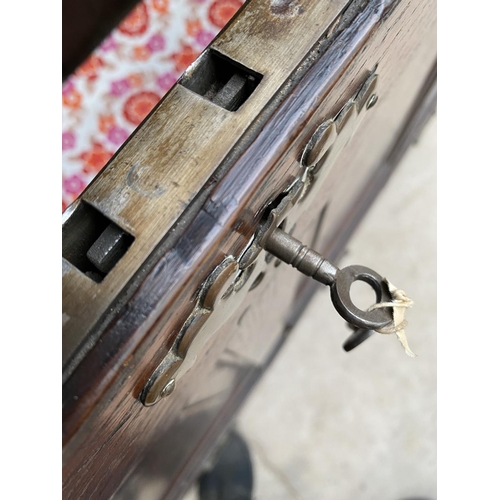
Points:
221	80
92	242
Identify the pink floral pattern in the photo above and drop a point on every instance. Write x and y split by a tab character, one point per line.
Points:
118	85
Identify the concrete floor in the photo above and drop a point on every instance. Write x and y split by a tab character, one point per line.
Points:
324	424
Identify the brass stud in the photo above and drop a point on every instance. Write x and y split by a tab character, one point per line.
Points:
168	389
372	101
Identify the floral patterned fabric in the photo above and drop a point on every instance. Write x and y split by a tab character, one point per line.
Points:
118	85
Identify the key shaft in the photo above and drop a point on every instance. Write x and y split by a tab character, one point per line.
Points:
290	250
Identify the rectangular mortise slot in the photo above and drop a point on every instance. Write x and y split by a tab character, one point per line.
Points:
92	242
221	80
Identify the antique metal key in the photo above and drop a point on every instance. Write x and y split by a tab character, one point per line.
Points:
325	145
290	250
224	289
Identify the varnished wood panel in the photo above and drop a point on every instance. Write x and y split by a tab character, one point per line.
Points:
165	163
106	424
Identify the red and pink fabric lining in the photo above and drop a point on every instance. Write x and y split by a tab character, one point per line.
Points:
123	79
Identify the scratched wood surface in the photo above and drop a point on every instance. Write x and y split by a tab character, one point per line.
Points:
103	421
157	173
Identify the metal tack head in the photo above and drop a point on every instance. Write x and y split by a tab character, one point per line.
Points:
372	101
168	389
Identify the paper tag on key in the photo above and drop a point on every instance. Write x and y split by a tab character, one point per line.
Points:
400	302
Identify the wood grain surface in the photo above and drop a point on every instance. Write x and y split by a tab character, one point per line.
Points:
156	174
113	444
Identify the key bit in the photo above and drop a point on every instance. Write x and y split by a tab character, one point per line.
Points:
292	251
358	336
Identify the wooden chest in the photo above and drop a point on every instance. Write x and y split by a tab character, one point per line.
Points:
185	198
